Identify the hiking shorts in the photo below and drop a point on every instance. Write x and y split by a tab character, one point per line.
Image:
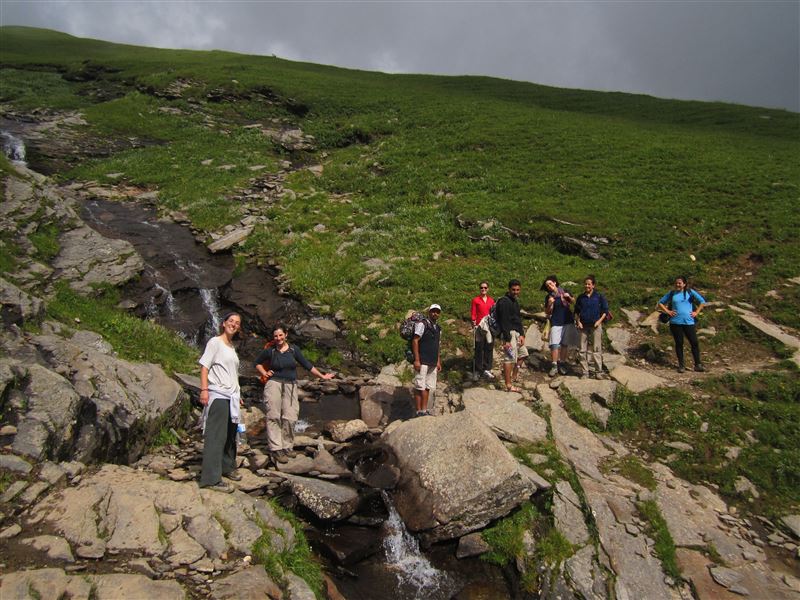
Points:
425	379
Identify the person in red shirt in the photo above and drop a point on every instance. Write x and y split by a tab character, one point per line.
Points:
482	365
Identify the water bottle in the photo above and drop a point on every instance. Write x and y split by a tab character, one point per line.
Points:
510	353
241	434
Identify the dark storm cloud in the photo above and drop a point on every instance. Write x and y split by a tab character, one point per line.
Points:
744	52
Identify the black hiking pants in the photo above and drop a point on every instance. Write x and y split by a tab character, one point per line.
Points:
219	443
678	333
483	352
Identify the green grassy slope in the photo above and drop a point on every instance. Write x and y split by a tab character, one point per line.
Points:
659	179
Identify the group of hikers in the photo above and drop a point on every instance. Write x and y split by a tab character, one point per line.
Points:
501	320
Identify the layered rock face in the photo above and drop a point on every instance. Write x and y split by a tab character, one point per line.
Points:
80	400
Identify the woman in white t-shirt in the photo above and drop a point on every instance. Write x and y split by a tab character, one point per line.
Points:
220	395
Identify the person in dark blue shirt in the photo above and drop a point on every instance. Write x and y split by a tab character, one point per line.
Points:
557	306
683	305
591	309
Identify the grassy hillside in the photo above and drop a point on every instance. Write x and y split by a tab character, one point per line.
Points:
406	158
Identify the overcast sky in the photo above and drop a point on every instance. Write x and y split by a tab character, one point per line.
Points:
744	52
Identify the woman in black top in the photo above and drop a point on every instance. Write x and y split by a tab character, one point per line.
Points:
280	392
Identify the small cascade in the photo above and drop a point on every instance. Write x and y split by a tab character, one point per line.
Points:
210	299
13	147
161	297
416	576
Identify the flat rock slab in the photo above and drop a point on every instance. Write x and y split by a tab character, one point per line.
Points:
444	497
229	240
55	583
14	463
568	514
342	431
507	417
252	583
692	515
472	544
329	501
56	547
639	573
772	330
636	380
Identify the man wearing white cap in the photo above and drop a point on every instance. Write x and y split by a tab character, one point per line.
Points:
427	361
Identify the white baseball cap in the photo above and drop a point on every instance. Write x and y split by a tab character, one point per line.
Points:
434	307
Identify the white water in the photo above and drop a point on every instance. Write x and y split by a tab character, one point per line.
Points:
13	147
211	302
301	425
414	572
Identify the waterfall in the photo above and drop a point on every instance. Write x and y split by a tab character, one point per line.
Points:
211	302
415	574
13	147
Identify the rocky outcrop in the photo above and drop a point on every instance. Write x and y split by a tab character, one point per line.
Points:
56	583
16	306
87	259
119	509
81	400
442	498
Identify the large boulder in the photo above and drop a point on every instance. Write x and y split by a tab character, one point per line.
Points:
456	475
505	415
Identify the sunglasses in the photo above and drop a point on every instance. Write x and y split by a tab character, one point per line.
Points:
484	287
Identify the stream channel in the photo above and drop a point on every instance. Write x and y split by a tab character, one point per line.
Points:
186	288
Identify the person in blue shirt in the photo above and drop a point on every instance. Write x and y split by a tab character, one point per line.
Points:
591	309
683	305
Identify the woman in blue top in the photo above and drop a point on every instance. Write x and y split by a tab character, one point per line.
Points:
683	305
280	392
557	305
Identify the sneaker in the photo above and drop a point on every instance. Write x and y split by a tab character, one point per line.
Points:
699	368
488	374
220	487
279	457
233	476
289	453
600	375
553	371
562	369
681	369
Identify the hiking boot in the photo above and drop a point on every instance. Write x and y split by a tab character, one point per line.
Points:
220	487
600	375
289	453
681	368
699	368
233	476
562	369
488	374
553	371
278	457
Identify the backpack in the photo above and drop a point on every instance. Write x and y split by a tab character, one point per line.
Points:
491	320
266	364
407	331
